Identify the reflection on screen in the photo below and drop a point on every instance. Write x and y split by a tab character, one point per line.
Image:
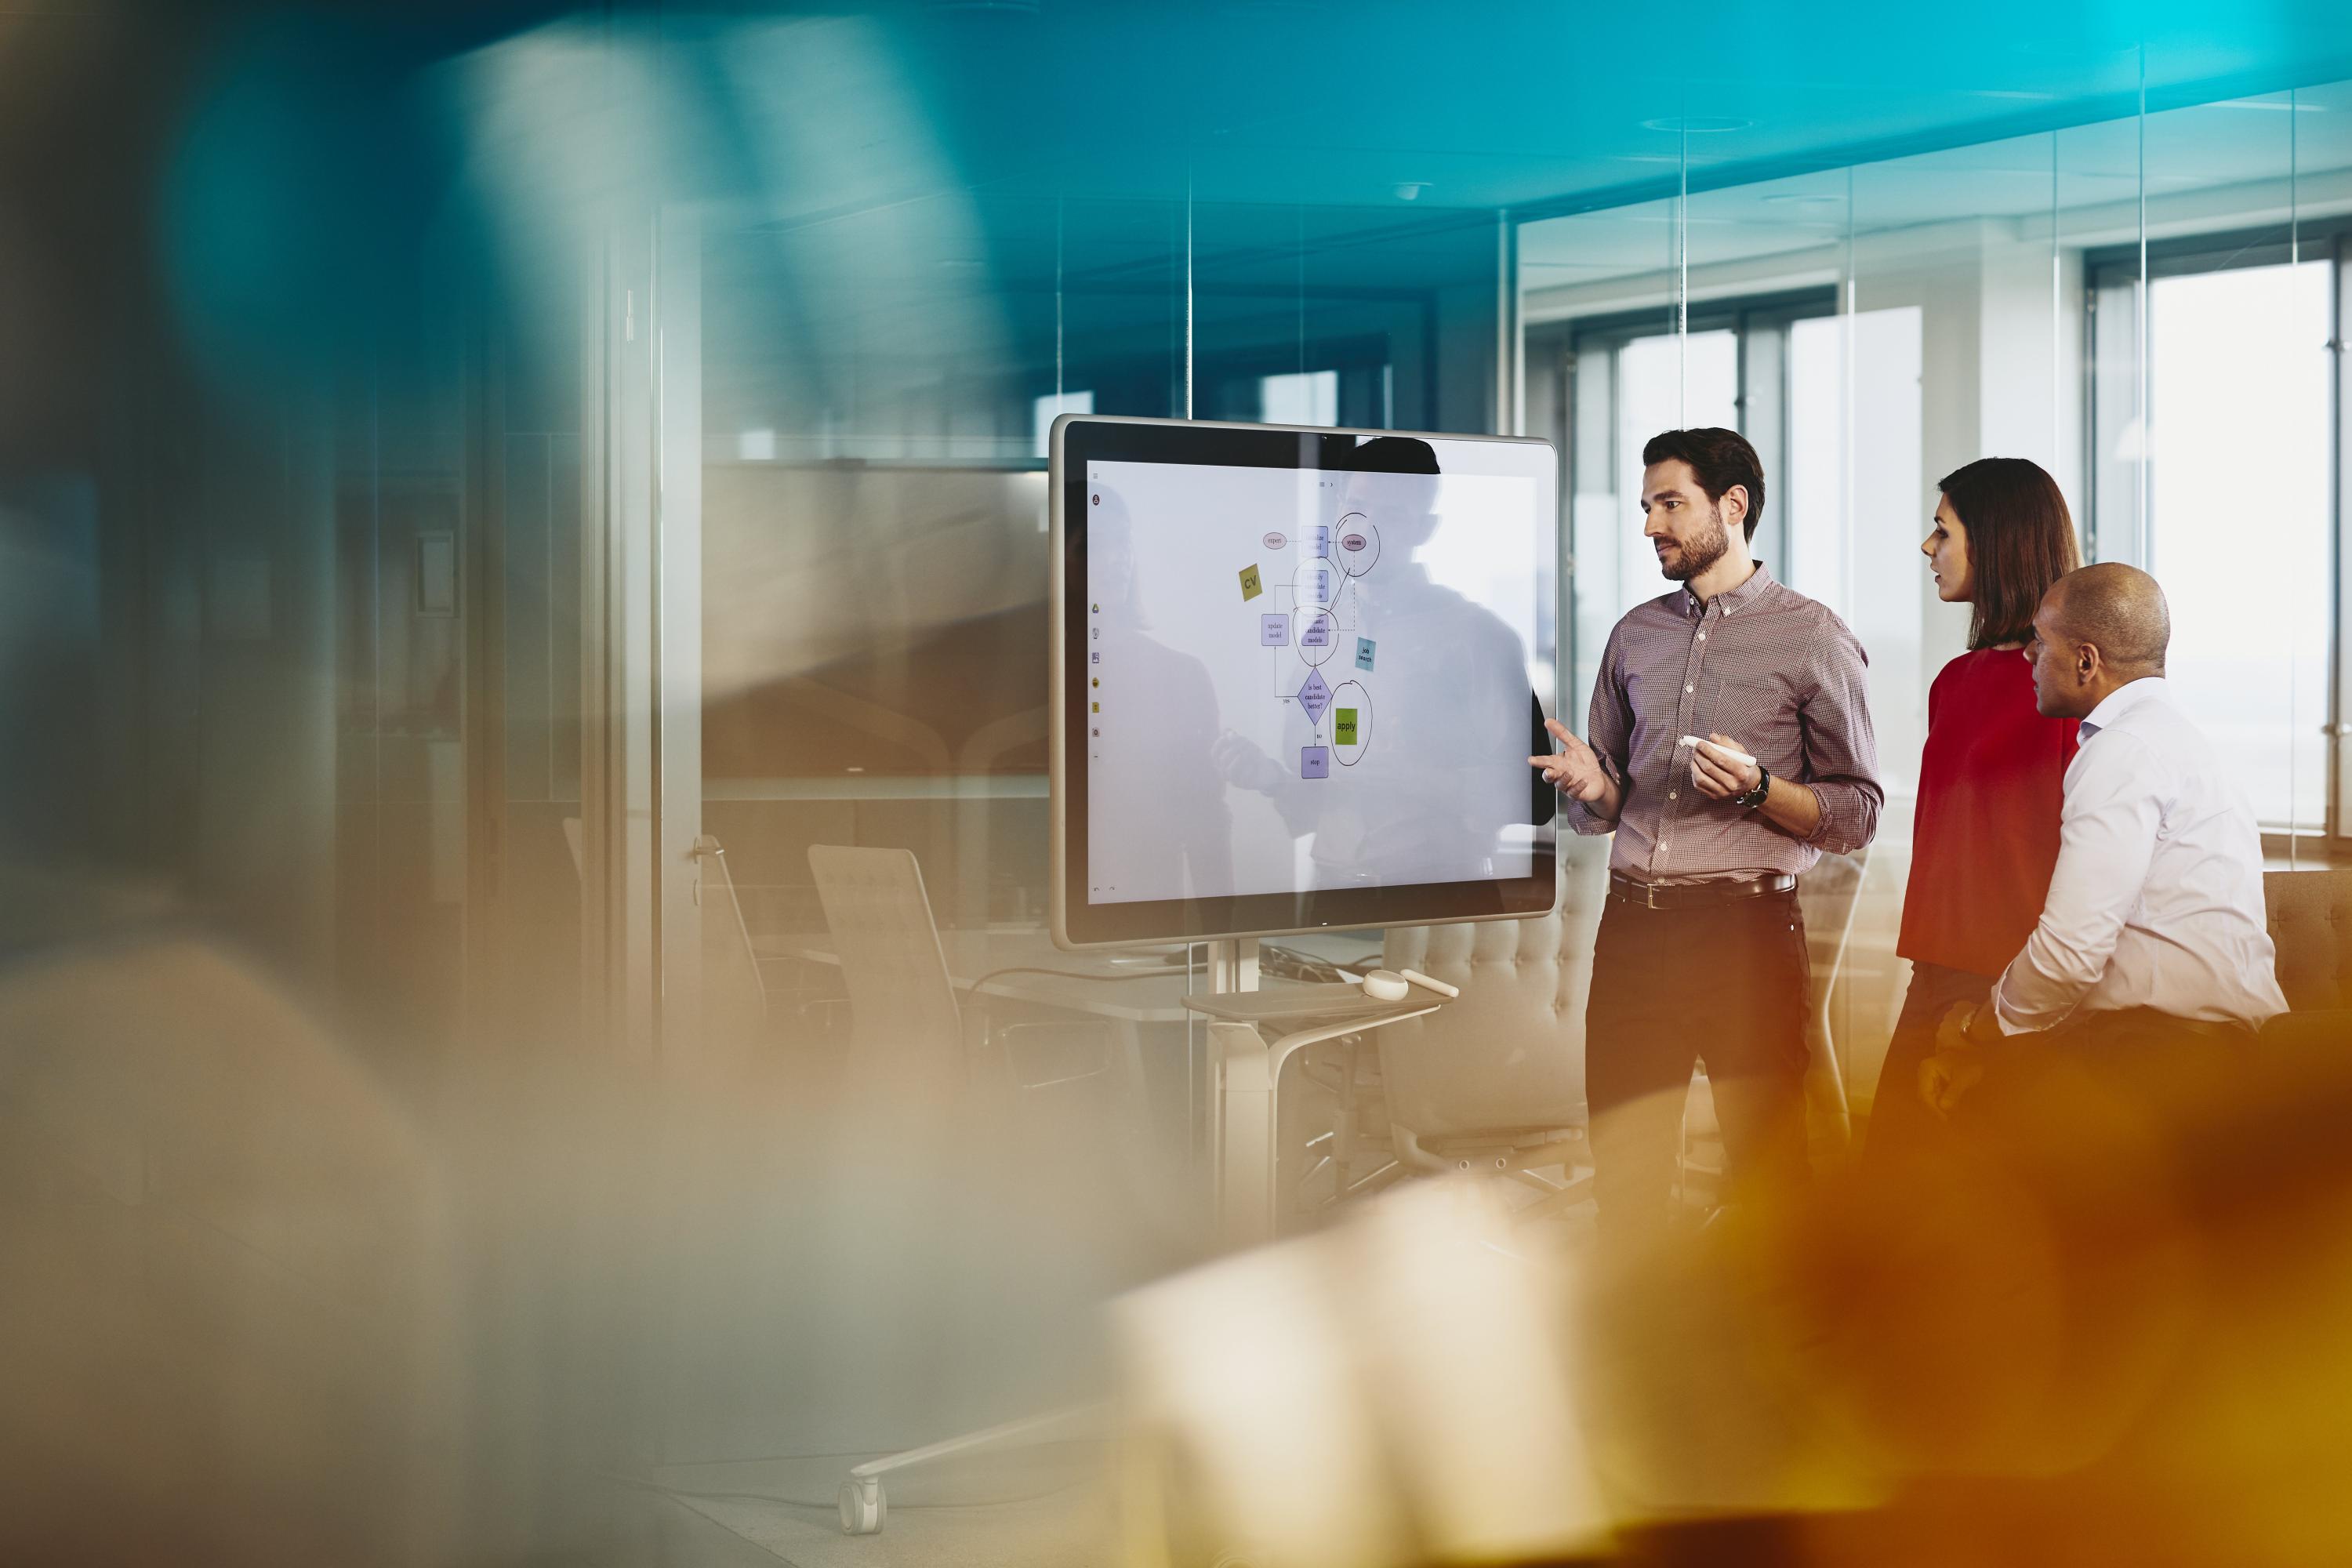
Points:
1300	681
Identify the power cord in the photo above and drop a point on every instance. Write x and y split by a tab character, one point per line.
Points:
1074	975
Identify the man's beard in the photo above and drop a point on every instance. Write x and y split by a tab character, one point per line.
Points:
1698	554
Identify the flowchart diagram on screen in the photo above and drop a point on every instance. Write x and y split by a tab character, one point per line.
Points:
1317	636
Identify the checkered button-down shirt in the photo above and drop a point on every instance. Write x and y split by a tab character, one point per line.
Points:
1776	671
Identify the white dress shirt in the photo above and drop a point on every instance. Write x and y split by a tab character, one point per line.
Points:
2156	898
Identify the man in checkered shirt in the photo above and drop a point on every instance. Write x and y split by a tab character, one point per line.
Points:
1702	952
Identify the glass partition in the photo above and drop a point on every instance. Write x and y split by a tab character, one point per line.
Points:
507	518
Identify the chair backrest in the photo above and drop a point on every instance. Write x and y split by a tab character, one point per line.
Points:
1828	895
735	993
902	1003
2310	926
1508	1056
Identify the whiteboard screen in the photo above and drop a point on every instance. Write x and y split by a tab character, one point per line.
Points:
1301	673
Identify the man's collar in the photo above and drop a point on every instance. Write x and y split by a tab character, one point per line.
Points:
2122	701
1732	598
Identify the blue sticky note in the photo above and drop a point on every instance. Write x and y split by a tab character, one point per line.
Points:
1315	761
1364	653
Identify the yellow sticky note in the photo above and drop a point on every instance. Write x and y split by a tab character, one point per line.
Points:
1250	587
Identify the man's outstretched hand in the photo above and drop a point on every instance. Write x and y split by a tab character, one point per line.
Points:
1575	768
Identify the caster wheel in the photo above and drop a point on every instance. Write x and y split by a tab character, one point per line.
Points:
863	1506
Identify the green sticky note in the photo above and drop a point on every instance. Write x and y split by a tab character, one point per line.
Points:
1250	587
1343	726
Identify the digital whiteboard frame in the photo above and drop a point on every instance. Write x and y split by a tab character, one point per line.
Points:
1080	438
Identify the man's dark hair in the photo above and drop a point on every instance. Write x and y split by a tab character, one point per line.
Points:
2021	540
1721	459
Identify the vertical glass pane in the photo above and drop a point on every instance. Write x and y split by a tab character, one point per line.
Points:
1763	261
1348	314
1663	382
1591	285
2231	383
2322	155
2239	382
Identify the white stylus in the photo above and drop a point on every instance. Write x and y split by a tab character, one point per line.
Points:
1418	978
1740	757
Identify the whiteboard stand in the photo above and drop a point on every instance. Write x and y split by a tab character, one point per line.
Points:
1232	965
1251	1035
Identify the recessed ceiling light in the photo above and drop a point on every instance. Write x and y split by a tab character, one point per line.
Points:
1697	124
1410	190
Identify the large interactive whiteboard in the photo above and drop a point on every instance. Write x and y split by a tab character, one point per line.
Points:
1297	674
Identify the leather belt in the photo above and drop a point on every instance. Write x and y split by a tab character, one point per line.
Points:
1695	895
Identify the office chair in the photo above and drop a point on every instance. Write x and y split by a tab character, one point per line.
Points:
734	992
1831	897
911	1038
905	1020
904	1015
2309	914
2310	918
1495	1082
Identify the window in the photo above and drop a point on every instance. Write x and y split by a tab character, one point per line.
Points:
1308	398
2221	488
1052	407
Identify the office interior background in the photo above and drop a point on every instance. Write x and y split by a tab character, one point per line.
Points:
462	468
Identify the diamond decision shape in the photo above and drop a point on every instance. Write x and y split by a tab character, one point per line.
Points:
1315	695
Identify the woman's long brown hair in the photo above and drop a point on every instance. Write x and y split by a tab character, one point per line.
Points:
2021	540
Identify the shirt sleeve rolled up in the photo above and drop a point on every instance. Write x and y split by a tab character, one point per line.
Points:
1840	748
1608	730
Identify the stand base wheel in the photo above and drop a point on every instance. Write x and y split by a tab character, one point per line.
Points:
863	1506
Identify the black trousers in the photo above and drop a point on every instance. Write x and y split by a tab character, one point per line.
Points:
1901	1125
1729	984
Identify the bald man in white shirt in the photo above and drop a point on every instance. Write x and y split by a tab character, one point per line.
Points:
2154	929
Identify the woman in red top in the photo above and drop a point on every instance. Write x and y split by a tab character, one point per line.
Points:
1986	833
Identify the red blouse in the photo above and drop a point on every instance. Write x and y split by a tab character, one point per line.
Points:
1986	833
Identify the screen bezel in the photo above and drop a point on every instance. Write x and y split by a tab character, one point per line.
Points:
1079	439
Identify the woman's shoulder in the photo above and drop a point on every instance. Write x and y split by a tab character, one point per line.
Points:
1995	667
1987	684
